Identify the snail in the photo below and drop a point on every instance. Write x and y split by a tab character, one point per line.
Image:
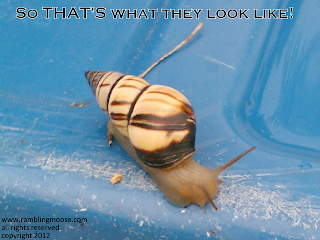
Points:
156	125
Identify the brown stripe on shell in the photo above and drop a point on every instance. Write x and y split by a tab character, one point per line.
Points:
167	157
118	116
169	128
120	126
176	122
104	85
185	106
164	93
118	103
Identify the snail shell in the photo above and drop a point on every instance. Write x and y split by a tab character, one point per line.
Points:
156	125
158	120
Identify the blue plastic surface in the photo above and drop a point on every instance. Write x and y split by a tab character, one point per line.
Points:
250	82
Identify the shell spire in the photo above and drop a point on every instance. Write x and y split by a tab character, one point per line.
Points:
115	93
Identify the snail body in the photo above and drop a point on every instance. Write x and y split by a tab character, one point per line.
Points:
156	125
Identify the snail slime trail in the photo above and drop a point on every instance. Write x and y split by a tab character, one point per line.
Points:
162	142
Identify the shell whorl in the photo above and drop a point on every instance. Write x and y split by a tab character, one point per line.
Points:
158	120
115	94
162	127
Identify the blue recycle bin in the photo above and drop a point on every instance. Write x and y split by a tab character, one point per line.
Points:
252	79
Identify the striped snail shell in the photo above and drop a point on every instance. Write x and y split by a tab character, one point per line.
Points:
158	120
156	125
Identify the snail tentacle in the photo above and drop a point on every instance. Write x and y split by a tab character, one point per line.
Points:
109	134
